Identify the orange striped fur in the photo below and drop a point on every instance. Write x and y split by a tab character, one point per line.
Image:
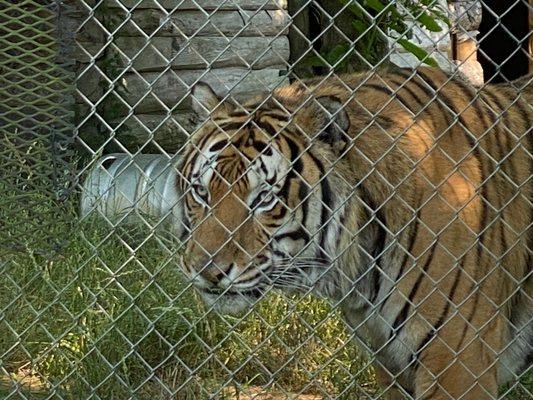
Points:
419	193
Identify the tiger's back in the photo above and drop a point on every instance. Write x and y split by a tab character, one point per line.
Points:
462	160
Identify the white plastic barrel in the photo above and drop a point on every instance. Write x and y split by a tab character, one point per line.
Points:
141	188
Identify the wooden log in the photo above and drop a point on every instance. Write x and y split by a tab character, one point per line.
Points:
184	23
87	51
466	50
196	4
201	52
158	92
170	132
88	80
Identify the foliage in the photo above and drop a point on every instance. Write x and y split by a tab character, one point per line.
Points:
375	21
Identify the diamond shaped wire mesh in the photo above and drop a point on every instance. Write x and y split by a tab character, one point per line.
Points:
266	199
36	121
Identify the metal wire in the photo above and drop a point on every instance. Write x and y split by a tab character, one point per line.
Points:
97	296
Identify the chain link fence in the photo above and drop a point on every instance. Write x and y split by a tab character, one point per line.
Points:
266	199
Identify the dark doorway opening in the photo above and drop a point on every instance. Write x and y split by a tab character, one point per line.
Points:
503	40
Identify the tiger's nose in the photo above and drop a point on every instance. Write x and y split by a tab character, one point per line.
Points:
214	273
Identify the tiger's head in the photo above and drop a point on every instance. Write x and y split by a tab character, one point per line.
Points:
259	198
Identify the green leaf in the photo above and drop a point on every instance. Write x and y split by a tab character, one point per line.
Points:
429	22
418	52
312	61
337	53
399	27
375	5
355	9
360	26
442	16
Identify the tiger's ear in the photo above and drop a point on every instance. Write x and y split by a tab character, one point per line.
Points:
334	130
204	99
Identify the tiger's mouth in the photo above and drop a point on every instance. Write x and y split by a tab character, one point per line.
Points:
228	301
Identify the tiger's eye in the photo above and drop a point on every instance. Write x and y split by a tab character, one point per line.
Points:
201	190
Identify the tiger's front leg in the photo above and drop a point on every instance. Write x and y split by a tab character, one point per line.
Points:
444	372
386	384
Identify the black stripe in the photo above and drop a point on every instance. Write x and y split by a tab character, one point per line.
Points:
342	225
281	214
445	105
268	128
402	316
299	234
218	145
501	154
327	207
396	94
303	193
303	190
479	112
484	195
425	88
385	122
238	114
233	126
379	244
186	226
264	168
422	104
413	235
388	91
433	331
262	148
280	253
377	255
295	158
278	116
526	115
380	88
484	216
284	191
297	168
249	279
197	150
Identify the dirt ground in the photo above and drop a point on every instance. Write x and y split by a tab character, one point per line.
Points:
259	393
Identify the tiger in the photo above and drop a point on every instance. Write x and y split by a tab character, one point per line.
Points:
404	198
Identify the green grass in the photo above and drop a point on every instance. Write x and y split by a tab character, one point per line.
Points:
87	311
109	315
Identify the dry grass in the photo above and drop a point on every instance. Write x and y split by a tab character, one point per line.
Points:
105	315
